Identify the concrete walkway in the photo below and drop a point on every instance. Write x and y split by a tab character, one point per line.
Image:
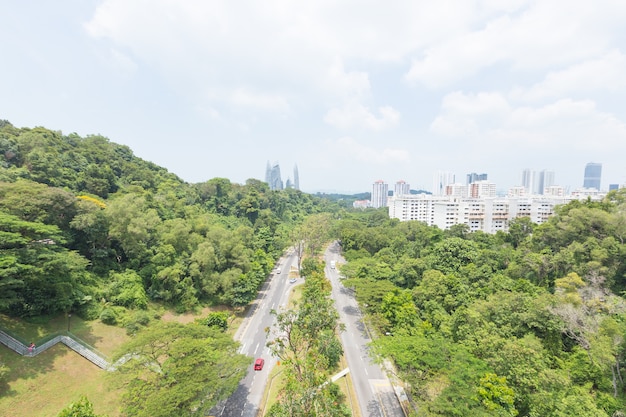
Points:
91	355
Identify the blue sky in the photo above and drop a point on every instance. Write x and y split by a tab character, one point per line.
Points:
351	91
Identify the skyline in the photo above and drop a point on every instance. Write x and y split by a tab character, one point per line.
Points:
353	92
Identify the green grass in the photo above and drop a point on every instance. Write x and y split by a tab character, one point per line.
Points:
43	385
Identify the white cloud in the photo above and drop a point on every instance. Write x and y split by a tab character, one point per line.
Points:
605	73
242	97
565	125
534	38
349	148
356	115
469	114
353	84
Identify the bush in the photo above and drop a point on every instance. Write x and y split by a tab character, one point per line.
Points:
108	316
136	321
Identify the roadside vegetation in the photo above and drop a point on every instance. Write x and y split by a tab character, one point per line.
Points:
89	230
525	323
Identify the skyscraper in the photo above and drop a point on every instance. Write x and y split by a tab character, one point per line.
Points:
593	175
401	188
546	180
272	176
473	177
379	194
528	181
440	180
296	178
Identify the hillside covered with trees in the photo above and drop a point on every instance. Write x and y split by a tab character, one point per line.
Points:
84	220
89	229
525	323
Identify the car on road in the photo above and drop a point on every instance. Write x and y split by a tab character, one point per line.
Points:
292	280
258	364
278	270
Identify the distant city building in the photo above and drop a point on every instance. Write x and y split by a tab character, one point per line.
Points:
473	177
361	204
554	191
593	175
296	178
288	183
272	176
489	215
582	193
440	180
401	188
456	190
545	180
536	182
519	191
482	189
613	187
379	194
528	181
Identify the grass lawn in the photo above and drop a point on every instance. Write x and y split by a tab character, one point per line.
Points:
43	385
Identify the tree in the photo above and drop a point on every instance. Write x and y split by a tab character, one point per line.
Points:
81	408
172	369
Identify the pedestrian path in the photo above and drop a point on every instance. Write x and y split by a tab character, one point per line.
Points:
68	340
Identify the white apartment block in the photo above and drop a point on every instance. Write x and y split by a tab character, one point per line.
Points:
489	214
457	190
401	188
379	194
482	189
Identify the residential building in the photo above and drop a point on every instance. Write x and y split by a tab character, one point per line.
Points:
401	188
380	189
456	190
488	214
482	189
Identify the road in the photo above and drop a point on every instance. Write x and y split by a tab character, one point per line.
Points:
376	396
246	400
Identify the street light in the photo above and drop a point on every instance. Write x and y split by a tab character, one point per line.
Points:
69	317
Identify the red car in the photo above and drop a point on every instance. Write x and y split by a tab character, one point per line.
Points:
258	364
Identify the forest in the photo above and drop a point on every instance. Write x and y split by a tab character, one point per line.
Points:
89	229
530	322
525	323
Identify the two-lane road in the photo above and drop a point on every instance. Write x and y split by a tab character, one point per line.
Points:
246	400
375	393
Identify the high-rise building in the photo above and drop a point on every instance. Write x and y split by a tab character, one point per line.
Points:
296	178
545	180
536	182
401	188
593	175
272	176
482	189
379	194
440	180
528	181
473	177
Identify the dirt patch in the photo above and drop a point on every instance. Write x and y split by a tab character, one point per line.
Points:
186	318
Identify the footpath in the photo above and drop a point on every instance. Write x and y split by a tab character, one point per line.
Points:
68	340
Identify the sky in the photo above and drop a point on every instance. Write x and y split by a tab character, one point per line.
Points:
351	91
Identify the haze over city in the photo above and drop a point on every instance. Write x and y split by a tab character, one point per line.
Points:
351	92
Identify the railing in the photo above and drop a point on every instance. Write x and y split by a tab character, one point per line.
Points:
69	340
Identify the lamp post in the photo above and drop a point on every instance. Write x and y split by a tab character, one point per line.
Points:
69	318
